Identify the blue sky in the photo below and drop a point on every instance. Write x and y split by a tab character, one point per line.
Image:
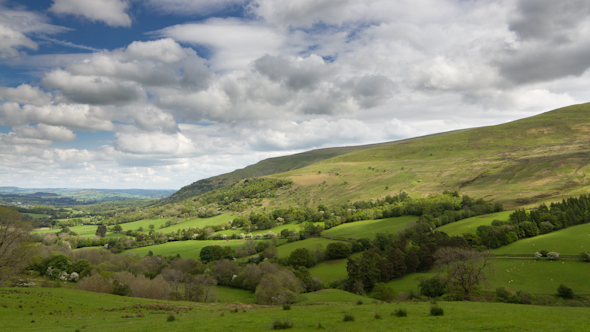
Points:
162	93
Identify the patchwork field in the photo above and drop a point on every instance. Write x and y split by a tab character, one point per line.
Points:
568	241
368	228
88	231
43	309
537	277
470	225
286	249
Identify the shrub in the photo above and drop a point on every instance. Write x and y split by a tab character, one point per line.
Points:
436	311
359	302
525	297
282	324
565	292
348	317
383	292
170	318
286	306
378	315
553	255
400	312
585	256
543	253
433	287
502	295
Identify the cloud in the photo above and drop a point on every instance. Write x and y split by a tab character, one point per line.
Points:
45	132
11	41
25	94
235	43
193	7
111	12
71	116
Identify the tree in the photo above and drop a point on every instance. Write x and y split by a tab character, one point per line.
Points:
15	248
336	250
465	269
565	292
211	253
301	257
117	228
101	230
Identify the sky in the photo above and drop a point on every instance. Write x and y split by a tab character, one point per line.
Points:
158	94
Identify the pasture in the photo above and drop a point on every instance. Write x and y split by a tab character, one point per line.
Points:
568	241
43	309
186	249
286	249
368	228
470	225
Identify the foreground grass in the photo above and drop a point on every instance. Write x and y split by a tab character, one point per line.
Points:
569	241
43	309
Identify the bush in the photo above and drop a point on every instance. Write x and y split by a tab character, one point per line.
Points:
525	297
502	295
383	292
400	312
553	255
170	318
436	311
359	302
378	315
282	324
585	256
565	292
348	317
433	287
286	306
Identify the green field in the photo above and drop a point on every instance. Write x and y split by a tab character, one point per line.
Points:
332	296
227	294
368	228
470	225
568	241
537	277
277	230
329	271
88	231
186	249
45	309
286	249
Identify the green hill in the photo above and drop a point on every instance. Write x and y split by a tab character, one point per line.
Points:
265	167
524	162
537	159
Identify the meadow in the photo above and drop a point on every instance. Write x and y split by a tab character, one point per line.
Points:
534	276
470	225
186	249
568	241
42	309
368	228
286	249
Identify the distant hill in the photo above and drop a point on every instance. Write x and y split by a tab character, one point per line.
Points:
265	167
68	196
541	158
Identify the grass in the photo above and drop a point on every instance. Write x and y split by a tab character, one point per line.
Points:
368	228
186	249
332	295
537	277
227	294
331	270
88	231
470	225
50	311
286	249
568	241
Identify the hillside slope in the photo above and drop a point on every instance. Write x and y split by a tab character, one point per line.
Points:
265	167
541	158
532	160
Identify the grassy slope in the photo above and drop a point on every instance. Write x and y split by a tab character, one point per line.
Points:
262	168
537	277
86	314
286	249
368	228
528	161
569	241
186	249
470	225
